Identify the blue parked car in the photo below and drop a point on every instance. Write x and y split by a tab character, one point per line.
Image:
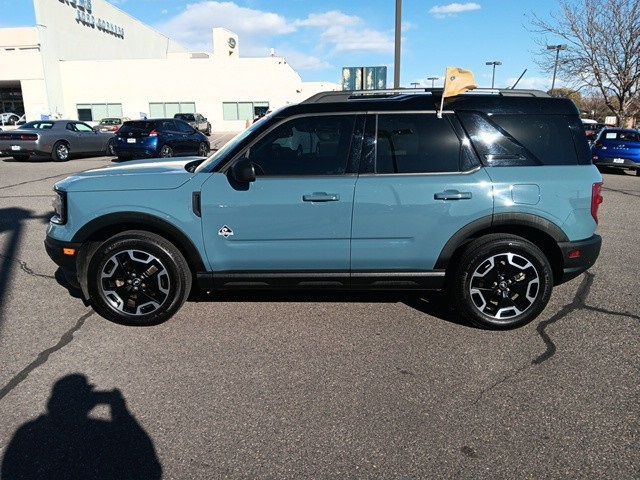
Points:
617	148
496	203
164	137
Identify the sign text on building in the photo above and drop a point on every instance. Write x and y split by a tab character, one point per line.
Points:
84	15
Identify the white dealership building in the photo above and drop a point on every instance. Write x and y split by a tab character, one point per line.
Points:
87	59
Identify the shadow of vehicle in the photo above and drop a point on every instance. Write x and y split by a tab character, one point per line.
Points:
435	304
65	443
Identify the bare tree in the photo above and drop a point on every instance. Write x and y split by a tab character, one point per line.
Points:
603	54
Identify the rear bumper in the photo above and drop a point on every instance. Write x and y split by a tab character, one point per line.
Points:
588	249
627	163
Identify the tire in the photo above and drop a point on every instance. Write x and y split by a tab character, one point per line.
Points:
166	152
208	132
122	158
638	172
138	278
203	150
491	301
111	149
60	152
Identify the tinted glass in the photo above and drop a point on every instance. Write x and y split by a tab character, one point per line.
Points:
416	143
137	128
166	126
110	121
187	117
548	137
183	127
494	146
305	146
37	125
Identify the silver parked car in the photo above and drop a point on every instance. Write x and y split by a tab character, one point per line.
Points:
58	139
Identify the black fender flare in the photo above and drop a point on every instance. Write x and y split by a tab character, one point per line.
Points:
143	221
492	223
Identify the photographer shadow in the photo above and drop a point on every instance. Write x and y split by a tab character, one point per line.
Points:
65	443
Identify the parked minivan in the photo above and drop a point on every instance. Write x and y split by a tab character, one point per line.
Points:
495	202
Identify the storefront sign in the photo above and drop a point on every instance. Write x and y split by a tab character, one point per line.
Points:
85	16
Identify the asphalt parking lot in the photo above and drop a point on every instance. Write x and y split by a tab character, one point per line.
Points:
324	387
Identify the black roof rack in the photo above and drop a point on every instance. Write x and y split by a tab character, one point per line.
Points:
401	93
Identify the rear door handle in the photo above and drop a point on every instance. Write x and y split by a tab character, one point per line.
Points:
452	195
321	197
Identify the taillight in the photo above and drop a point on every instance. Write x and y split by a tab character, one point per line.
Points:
116	130
153	133
599	145
29	136
596	199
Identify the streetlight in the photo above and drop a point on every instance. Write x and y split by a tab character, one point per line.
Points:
557	48
396	64
415	84
493	76
433	79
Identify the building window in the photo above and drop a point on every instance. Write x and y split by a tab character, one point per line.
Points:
94	112
243	110
169	109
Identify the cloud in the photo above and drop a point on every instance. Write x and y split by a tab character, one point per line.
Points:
193	26
452	9
328	19
304	62
344	33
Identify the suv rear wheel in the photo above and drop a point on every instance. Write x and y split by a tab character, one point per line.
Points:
501	282
138	278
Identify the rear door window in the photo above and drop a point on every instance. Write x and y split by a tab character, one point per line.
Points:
416	143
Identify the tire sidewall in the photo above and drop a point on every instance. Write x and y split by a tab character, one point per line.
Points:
54	153
169	149
471	261
178	288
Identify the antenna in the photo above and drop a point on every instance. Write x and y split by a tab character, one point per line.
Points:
519	78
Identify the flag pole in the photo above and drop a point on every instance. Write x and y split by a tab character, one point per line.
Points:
444	89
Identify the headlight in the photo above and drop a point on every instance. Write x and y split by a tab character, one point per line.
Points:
59	207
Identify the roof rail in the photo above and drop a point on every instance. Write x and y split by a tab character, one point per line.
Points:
394	94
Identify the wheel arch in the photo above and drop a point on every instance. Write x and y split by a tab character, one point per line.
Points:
104	227
538	230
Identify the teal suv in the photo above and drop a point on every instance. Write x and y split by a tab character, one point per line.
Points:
494	201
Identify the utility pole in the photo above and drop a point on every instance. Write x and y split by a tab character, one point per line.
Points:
396	64
557	48
433	80
493	76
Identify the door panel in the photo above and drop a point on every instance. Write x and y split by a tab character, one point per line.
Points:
272	227
398	224
296	215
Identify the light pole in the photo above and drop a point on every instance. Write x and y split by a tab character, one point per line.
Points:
433	79
557	48
396	64
493	76
415	84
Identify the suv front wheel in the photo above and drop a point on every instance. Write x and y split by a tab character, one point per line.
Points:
138	278
501	281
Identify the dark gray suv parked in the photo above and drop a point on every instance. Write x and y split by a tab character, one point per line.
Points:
196	120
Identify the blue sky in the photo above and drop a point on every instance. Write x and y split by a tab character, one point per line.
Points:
319	37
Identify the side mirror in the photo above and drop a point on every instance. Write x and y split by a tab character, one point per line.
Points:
243	171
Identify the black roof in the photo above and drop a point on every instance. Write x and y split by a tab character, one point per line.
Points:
487	101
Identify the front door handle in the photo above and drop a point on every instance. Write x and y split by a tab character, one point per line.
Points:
452	195
321	197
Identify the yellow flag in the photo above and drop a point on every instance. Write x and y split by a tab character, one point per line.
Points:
458	81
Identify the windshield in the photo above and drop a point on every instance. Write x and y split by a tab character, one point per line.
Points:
230	145
110	121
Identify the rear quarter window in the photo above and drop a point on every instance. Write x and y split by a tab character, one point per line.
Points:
518	139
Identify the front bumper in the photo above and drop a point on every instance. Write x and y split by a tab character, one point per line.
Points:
56	251
574	264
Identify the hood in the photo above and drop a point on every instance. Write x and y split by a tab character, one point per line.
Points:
158	174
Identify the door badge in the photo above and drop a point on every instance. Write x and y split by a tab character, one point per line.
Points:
225	232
